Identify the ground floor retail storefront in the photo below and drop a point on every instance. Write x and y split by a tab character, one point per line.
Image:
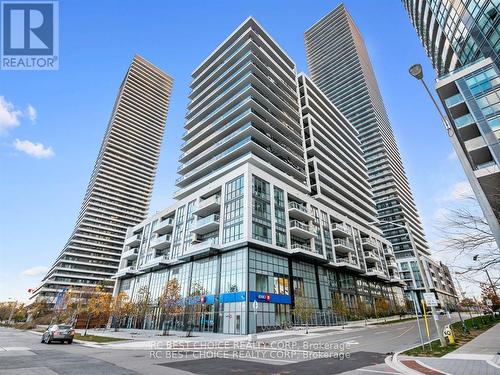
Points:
250	290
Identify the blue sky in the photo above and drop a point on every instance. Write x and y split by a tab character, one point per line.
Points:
66	111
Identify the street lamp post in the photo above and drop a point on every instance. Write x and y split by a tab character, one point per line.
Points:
424	276
417	72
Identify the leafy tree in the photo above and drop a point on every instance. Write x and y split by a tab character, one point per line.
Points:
303	309
339	307
362	310
488	293
169	302
98	305
382	307
141	305
120	307
194	308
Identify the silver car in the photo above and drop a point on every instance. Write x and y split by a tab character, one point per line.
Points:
58	332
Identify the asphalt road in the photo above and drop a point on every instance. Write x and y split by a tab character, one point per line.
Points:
351	351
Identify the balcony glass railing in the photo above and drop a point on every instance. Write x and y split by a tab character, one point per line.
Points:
207	220
490	163
346	260
300	225
340	227
464	120
454	100
221	155
370	254
217	144
298	206
342	242
213	126
298	246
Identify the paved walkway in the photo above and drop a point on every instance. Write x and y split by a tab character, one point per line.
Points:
477	357
149	334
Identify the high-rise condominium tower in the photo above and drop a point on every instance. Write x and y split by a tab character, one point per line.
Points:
121	184
273	205
340	66
456	33
462	40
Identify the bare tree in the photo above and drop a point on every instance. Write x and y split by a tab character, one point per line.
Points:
465	233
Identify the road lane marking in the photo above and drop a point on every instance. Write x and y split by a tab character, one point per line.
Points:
377	371
378	333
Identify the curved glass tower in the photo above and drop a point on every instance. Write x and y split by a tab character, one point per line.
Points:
121	184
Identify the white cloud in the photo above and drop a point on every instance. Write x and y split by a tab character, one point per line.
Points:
35	271
31	113
459	191
452	156
9	115
37	150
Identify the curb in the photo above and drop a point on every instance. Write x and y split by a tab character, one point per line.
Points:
393	362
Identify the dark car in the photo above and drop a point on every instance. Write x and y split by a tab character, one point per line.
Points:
58	332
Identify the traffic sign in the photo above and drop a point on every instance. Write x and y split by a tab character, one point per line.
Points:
447	331
430	299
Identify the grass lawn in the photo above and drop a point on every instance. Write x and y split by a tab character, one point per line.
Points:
475	326
94	338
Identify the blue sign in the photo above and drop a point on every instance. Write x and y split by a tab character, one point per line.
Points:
269	297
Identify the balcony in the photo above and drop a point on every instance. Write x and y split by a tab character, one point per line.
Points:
347	263
300	229
464	120
343	246
299	211
164	226
161	242
130	270
389	255
376	272
340	230
208	206
454	100
203	248
305	251
134	240
130	254
369	243
370	257
158	262
392	264
207	224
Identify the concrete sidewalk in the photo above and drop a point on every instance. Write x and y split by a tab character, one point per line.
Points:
479	357
149	334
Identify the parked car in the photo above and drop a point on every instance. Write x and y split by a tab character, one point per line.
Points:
441	311
58	332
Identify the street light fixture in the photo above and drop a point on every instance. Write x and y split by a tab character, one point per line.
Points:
417	72
424	275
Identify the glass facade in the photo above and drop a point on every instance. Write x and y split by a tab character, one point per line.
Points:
232	282
233	210
261	210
